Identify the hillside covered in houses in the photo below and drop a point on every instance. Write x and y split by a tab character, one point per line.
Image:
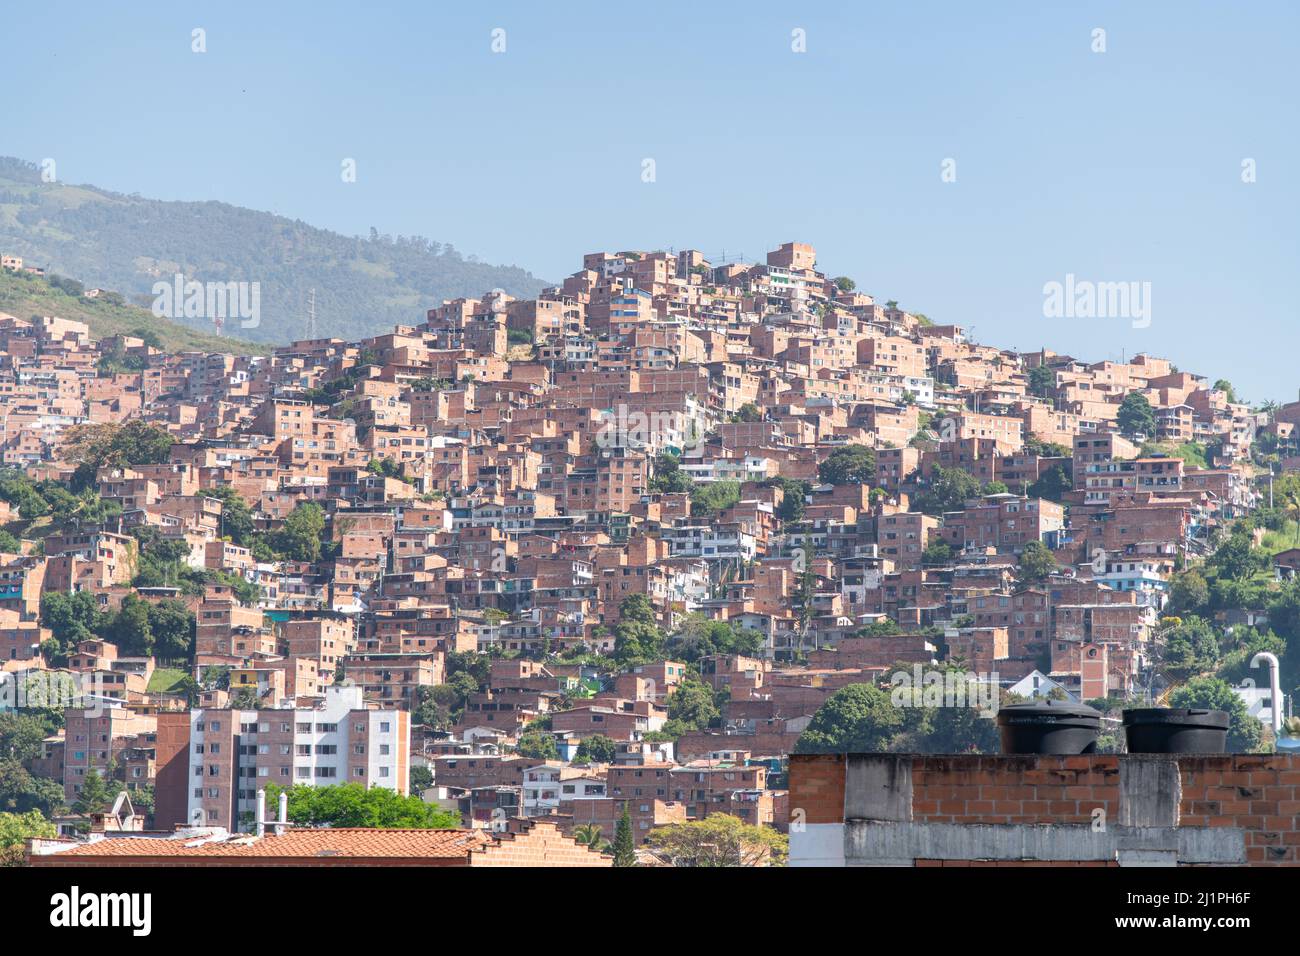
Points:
601	559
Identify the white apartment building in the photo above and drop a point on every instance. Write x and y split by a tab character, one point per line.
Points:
235	753
546	784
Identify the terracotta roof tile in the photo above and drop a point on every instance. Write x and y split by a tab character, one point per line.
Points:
304	843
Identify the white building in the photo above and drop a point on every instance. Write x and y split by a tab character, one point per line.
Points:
235	753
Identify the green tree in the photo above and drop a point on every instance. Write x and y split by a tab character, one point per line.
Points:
794	494
1189	593
353	805
1042	381
1237	558
300	538
1036	563
71	618
710	498
596	749
22	735
236	515
950	489
588	834
95	794
883	628
441	706
1051	484
624	847
954	730
700	637
1190	647
1284	611
113	445
720	839
937	553
858	718
637	638
148	336
669	477
16	829
21	792
848	465
1234	662
421	779
129	628
1135	416
692	706
172	625
538	746
1045	449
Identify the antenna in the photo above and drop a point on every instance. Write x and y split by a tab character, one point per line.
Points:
311	314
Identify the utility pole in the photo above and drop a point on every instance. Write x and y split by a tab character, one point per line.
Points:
311	314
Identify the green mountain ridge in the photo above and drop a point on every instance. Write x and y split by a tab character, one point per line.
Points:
128	243
28	297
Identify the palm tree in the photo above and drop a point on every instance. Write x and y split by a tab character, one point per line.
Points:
588	834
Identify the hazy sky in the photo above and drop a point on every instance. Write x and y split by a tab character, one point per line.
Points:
1115	166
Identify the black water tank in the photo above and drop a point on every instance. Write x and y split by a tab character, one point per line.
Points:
1172	730
1049	727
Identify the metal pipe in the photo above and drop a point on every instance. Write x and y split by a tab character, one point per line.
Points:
1275	688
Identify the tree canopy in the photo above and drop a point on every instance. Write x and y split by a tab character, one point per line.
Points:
353	805
848	465
720	839
1135	416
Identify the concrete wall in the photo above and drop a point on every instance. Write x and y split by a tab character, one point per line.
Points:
1107	810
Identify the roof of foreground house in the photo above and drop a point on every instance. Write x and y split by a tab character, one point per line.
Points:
294	844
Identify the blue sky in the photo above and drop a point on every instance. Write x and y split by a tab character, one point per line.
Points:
1115	166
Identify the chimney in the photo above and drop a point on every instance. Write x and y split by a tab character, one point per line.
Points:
283	820
261	813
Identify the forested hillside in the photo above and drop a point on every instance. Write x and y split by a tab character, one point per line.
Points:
128	243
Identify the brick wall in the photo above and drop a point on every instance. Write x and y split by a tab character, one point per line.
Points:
817	788
1247	805
1257	793
541	844
1014	789
172	776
